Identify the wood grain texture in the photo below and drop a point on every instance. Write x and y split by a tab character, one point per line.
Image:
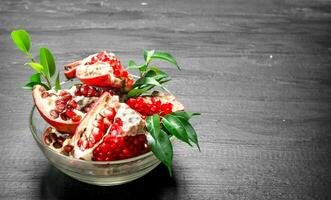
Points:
258	70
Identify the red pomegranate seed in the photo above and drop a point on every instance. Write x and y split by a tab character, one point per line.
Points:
64	116
64	93
109	113
84	90
57	145
68	148
76	118
60	140
53	137
59	102
66	97
70	113
72	104
60	107
125	74
54	114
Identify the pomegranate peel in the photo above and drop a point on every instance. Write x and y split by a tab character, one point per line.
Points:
45	107
104	70
70	69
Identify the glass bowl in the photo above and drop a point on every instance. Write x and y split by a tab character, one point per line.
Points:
92	172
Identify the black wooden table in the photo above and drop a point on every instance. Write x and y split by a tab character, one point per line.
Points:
258	70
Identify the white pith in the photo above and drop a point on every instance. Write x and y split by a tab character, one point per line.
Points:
48	103
97	69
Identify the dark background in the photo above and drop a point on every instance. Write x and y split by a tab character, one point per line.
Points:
258	70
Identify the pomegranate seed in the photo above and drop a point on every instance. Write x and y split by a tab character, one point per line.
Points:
109	113
84	90
53	137
76	118
57	145
80	142
59	102
72	104
86	109
68	148
64	93
125	74
60	107
70	113
64	116
107	138
54	114
66	97
117	73
60	140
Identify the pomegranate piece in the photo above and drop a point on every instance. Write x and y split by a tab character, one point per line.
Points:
160	103
70	69
59	142
65	109
104	70
110	131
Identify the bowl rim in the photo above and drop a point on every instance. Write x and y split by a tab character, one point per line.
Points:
116	162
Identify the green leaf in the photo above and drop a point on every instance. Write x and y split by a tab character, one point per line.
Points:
155	73
186	115
153	125
36	66
165	56
135	92
29	86
132	65
162	149
175	127
143	68
164	81
35	78
22	40
146	81
47	60
57	82
148	55
192	135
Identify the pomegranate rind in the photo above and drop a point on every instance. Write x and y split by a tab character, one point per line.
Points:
59	124
70	69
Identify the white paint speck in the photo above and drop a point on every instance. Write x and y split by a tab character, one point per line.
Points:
284	120
270	56
143	3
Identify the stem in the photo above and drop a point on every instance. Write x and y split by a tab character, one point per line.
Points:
42	74
30	56
46	79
